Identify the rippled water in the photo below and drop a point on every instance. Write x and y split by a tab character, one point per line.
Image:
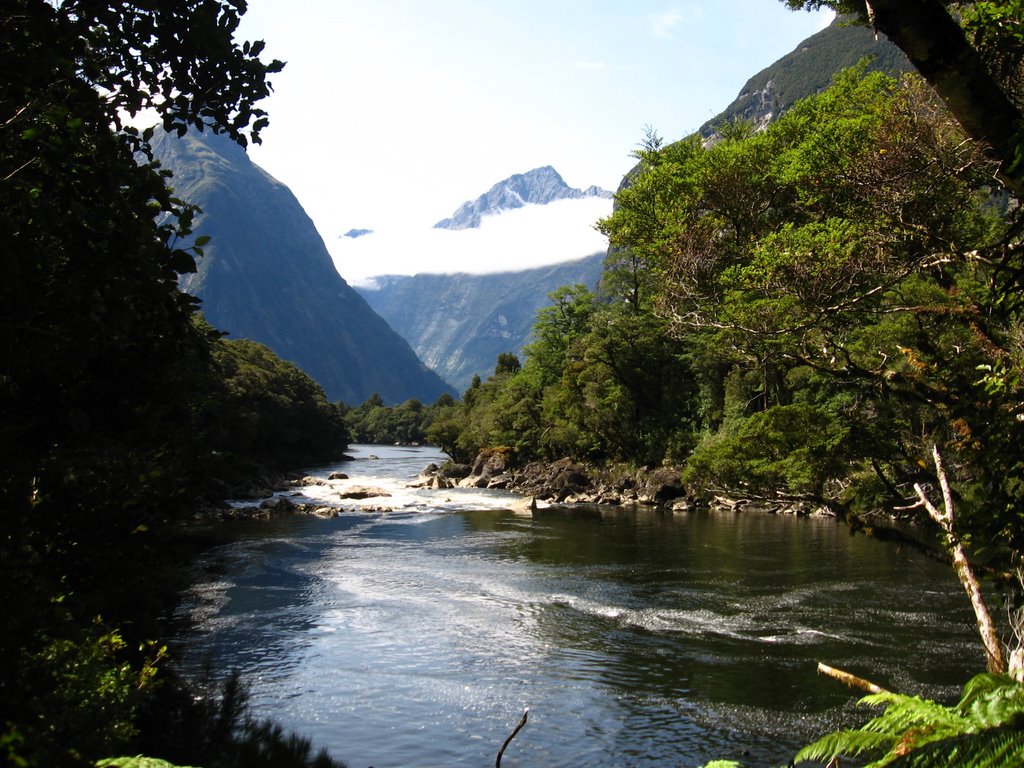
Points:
415	637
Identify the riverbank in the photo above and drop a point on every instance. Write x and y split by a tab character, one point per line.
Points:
567	482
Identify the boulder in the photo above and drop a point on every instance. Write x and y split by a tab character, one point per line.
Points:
277	504
362	492
337	476
489	464
454	471
445	476
660	486
555	481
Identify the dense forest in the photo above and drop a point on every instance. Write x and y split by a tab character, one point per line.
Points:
827	310
120	408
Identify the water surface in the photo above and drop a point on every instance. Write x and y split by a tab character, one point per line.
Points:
415	636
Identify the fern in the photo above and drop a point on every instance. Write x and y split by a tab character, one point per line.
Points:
991	748
985	729
846	744
135	762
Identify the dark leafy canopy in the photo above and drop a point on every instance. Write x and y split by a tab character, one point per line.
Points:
265	413
178	57
107	385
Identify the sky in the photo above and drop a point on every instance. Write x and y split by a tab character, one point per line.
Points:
391	113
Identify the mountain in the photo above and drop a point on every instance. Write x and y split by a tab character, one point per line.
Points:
267	276
539	187
459	324
808	69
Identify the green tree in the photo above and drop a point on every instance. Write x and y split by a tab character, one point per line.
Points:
267	414
847	259
507	363
979	83
103	375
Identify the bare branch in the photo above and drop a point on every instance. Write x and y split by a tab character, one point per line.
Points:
851	680
965	573
497	761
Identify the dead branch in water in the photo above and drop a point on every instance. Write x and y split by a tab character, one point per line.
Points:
851	680
497	761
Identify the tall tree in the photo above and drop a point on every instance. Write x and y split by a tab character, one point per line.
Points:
987	105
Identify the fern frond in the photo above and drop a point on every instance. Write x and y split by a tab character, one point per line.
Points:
846	744
991	748
907	715
990	701
983	685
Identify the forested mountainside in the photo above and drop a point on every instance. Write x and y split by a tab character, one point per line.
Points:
266	275
807	70
459	324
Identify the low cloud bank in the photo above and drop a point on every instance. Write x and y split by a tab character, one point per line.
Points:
532	236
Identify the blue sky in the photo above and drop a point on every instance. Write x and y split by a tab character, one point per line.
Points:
390	113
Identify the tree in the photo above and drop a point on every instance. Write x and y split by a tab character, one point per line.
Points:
844	261
507	364
103	374
266	414
962	75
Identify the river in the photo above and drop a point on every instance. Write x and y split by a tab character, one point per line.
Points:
416	635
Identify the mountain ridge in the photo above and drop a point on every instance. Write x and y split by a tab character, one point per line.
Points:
808	69
459	323
267	276
538	186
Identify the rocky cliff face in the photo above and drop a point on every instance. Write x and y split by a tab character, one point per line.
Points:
537	187
267	276
459	324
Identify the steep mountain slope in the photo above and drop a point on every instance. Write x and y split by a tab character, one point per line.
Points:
459	324
538	187
267	276
808	69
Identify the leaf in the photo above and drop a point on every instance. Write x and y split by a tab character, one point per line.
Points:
991	748
845	743
135	762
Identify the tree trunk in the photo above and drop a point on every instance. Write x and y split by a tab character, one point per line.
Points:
935	44
962	566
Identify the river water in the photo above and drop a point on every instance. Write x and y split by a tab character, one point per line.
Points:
416	635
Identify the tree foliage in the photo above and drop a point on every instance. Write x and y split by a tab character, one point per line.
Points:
841	261
970	53
114	401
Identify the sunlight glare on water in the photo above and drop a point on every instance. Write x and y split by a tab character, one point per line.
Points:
415	636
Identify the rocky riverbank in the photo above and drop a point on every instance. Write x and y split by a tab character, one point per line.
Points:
568	482
561	482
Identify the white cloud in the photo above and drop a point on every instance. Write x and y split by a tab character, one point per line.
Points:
665	25
662	24
533	236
